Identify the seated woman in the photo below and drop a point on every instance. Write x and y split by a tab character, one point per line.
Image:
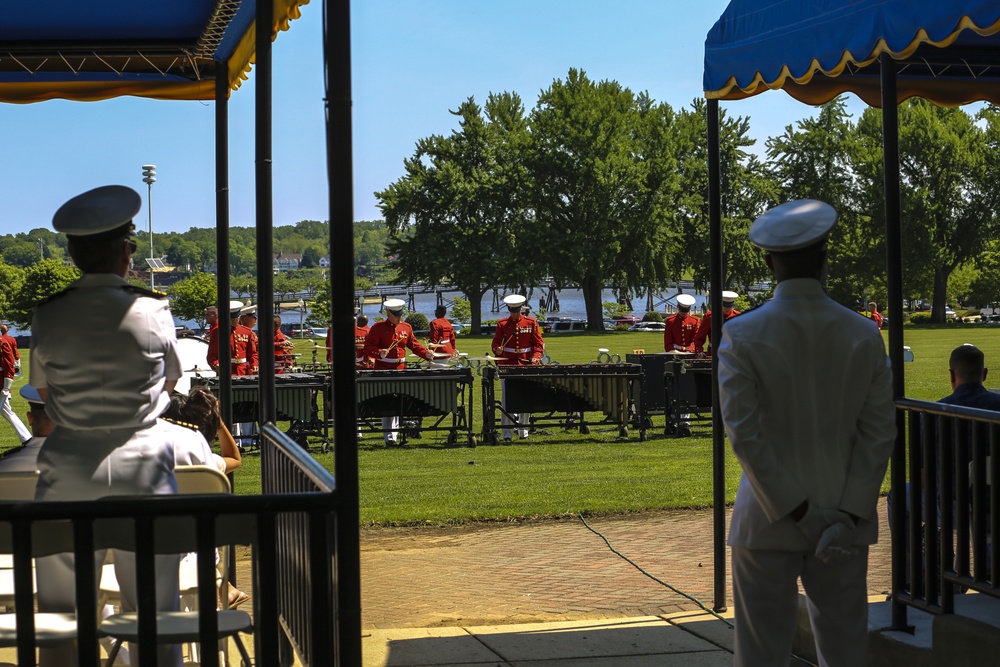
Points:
199	411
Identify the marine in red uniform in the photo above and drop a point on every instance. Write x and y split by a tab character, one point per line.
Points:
705	330
386	343
242	341
282	348
9	365
876	316
681	327
387	340
211	319
442	334
361	330
248	320
518	341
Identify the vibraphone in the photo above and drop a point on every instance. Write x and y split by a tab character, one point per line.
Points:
674	385
562	394
415	393
295	401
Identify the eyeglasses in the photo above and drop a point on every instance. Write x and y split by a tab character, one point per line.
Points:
132	245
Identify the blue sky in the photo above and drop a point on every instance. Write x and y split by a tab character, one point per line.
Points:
413	60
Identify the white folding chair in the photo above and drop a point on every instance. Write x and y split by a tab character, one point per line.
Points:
181	627
18	485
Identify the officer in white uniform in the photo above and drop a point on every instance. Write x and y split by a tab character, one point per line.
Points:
104	391
805	389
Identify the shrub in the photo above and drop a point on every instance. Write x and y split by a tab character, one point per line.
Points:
652	316
922	317
418	321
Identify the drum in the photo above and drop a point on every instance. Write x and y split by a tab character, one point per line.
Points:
193	352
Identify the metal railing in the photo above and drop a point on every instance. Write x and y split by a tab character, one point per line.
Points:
944	541
290	528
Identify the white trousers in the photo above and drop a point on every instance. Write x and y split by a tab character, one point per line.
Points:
86	465
506	423
765	601
390	429
23	434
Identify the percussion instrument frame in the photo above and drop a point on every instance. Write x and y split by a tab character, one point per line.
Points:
562	395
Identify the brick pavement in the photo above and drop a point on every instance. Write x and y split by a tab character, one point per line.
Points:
548	570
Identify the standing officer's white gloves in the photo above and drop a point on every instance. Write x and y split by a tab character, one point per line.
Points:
817	519
836	544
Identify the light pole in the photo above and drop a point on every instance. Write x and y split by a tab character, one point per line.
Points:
149	177
302	314
41	249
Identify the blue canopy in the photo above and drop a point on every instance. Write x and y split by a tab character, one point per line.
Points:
817	50
98	49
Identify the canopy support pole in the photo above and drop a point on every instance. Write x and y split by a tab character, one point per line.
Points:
222	239
894	285
264	71
339	151
715	274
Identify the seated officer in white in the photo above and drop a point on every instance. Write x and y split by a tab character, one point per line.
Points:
104	392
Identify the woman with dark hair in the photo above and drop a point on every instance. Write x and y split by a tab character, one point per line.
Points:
199	411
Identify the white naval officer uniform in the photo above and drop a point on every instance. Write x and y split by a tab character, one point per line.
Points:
104	351
806	397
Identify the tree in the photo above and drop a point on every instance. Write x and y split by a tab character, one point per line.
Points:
22	254
458	212
11	281
243	285
461	310
947	194
310	257
816	160
191	296
747	190
284	285
40	282
602	171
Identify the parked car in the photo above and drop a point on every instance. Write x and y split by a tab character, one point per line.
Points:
304	332
319	332
626	319
565	324
648	326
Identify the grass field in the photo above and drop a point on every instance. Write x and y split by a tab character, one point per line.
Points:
556	473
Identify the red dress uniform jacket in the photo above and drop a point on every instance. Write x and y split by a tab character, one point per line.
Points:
329	345
705	331
877	318
360	335
8	348
243	344
17	355
395	338
282	361
680	332
518	342
443	333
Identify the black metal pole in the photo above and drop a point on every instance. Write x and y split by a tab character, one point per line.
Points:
715	273
222	238
894	284
339	150
265	224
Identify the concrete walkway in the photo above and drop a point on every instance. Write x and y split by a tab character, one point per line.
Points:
552	593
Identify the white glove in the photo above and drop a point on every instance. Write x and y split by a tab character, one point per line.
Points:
836	544
17	366
818	519
7	382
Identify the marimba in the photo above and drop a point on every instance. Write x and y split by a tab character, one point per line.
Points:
295	401
415	393
562	394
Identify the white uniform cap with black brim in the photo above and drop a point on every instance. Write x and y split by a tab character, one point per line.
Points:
514	302
394	304
685	300
793	225
104	211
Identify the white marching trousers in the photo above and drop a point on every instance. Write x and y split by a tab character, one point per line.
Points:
23	433
390	429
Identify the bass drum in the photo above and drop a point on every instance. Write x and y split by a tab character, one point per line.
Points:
193	352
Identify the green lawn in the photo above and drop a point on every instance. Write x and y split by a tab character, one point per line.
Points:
557	473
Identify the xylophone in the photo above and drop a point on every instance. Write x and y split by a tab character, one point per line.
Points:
415	393
295	401
561	394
